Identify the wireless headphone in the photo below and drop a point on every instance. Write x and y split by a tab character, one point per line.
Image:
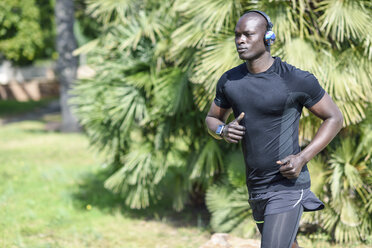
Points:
269	35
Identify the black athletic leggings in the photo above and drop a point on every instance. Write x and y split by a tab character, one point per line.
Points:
280	230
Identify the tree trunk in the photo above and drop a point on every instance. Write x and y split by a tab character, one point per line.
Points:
67	63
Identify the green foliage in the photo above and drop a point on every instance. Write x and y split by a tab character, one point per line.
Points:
227	200
344	184
86	27
141	112
236	169
157	65
26	30
229	207
348	216
143	169
344	19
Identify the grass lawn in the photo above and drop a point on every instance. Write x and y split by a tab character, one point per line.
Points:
51	196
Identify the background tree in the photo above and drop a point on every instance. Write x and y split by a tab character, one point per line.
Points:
26	30
67	63
157	65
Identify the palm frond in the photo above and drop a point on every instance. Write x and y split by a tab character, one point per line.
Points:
204	19
317	174
176	176
368	46
236	169
188	35
86	48
213	15
283	16
143	169
350	191
349	215
229	207
343	222
344	19
213	60
107	11
172	94
209	161
181	188
126	107
144	26
307	60
341	81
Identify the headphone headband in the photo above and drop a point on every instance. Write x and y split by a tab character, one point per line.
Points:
269	23
269	35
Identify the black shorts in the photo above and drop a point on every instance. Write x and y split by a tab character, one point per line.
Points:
276	202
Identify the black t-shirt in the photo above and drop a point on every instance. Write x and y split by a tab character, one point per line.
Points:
272	102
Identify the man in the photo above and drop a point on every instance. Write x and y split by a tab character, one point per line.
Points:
266	96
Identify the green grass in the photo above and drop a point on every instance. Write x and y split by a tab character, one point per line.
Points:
13	107
51	195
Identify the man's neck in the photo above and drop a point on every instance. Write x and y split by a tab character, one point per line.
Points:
260	64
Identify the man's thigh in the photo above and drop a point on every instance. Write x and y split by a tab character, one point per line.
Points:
279	230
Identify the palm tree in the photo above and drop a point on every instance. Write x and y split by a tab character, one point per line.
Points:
348	216
157	65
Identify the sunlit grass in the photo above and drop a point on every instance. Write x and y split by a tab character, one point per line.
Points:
43	202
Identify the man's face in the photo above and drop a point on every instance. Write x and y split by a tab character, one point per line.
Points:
249	36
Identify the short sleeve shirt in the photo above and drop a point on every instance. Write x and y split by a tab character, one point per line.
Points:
272	102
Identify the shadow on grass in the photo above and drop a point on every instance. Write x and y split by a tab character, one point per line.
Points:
15	111
91	191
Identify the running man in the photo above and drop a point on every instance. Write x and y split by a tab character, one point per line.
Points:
267	96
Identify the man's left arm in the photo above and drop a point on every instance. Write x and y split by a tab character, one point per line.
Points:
332	118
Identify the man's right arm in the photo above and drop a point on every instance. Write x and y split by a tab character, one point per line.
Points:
215	117
233	132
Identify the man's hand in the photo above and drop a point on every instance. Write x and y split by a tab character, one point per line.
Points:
233	132
291	166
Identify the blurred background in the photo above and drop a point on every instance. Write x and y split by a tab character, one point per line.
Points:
102	108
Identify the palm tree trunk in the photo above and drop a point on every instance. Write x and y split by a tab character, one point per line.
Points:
67	63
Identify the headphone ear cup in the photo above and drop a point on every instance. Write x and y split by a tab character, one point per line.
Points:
269	38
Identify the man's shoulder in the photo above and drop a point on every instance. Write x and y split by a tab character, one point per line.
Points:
290	71
298	80
234	73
